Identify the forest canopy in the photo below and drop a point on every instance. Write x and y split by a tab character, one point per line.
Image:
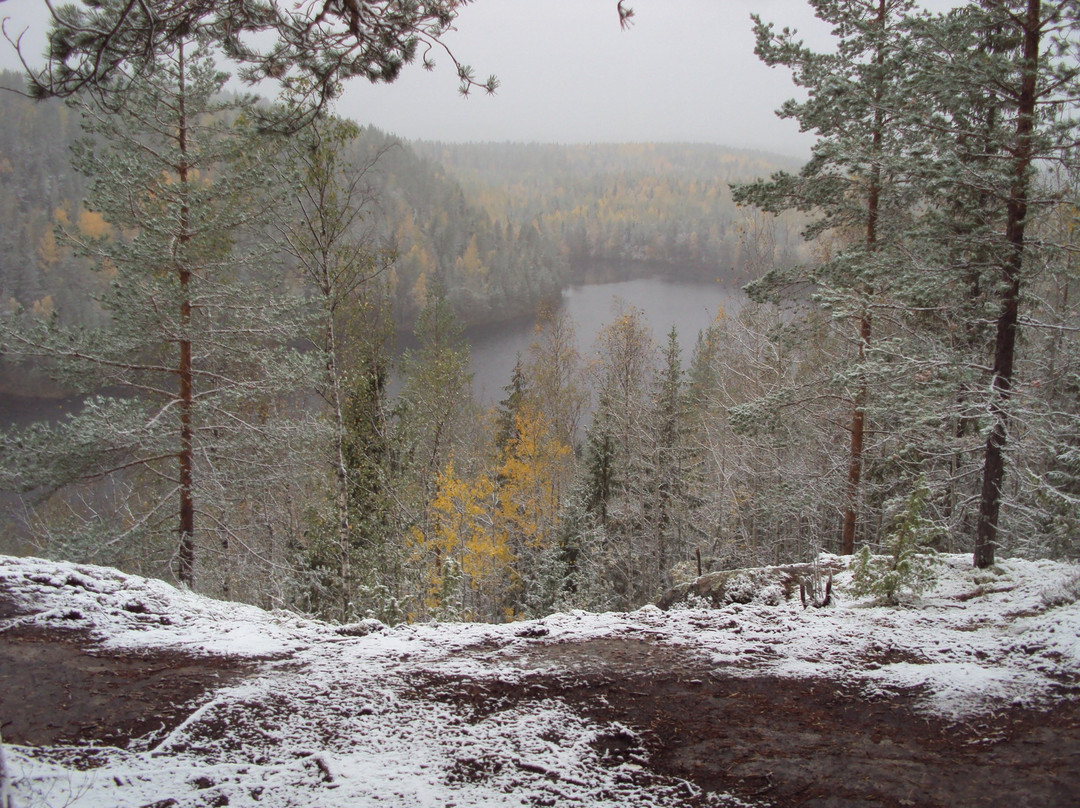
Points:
904	380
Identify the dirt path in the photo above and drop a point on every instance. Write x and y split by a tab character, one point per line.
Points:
774	741
57	688
797	742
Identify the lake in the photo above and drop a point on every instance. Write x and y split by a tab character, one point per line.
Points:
690	306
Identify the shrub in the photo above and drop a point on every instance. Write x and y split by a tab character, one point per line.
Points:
909	563
1062	593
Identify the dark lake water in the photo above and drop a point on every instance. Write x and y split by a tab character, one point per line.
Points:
21	411
690	306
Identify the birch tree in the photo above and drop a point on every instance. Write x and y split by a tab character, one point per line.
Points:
339	261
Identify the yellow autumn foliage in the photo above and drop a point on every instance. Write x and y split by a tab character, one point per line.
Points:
462	531
93	224
534	465
48	252
43	307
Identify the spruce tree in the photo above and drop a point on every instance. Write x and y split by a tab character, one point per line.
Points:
666	494
510	408
617	446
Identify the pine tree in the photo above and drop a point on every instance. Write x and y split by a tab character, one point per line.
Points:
104	45
1001	83
853	182
197	347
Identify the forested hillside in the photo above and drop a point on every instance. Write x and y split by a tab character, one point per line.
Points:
38	189
490	269
667	205
905	382
500	228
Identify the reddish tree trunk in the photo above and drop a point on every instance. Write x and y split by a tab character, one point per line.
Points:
858	415
858	429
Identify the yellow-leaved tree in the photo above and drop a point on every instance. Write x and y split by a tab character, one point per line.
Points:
465	558
536	466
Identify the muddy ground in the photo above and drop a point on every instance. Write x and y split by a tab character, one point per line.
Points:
773	741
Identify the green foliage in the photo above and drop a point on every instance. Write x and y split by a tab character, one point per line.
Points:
506	431
197	351
909	563
748	457
103	45
503	269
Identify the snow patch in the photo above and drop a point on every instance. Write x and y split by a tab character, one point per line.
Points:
336	716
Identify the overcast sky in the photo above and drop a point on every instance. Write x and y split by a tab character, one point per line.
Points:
685	71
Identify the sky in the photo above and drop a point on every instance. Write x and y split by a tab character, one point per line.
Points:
684	72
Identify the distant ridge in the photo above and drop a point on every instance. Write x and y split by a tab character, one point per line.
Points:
662	206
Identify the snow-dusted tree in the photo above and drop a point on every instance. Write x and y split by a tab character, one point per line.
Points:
616	447
533	466
322	231
572	574
100	45
435	421
368	456
506	416
667	464
186	438
1047	476
1003	81
763	462
557	383
852	183
435	411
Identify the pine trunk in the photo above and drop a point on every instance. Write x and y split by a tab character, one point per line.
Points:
858	415
858	430
186	552
1005	342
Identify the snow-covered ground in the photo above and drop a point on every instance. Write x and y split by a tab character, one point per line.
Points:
333	717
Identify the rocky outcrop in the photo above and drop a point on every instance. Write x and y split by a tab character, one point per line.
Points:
768	585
